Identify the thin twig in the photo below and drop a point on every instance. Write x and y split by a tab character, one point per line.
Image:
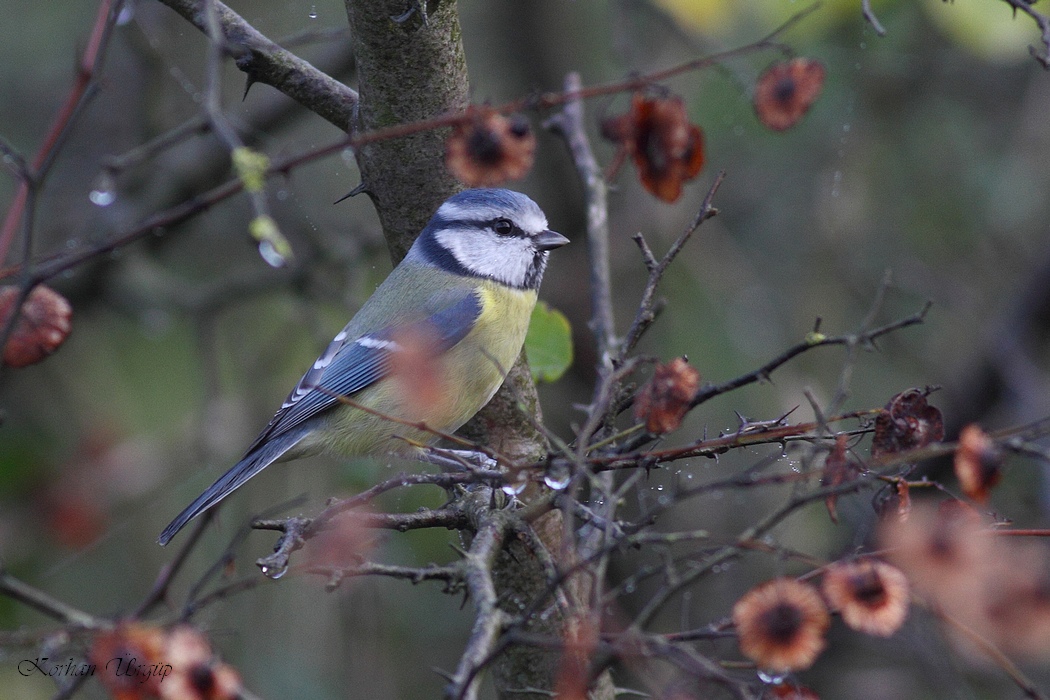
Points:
169	571
989	649
57	264
755	532
1043	21
569	122
451	575
762	373
872	19
645	314
52	607
87	70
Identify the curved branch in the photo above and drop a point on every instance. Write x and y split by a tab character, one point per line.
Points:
263	61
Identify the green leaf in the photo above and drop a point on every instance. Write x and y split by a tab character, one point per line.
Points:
548	344
251	167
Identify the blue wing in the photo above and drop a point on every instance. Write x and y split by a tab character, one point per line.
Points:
349	365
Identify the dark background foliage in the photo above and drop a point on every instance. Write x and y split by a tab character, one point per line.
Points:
926	156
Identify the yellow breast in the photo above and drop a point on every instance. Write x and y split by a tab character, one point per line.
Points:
441	392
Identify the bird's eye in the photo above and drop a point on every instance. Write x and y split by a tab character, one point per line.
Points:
503	227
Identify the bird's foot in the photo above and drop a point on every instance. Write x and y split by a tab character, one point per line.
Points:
459	460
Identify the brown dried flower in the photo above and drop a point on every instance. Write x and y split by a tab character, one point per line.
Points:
664	401
666	148
487	148
786	91
781	624
1018	609
978	463
993	585
871	595
129	660
903	499
838	470
136	661
42	325
196	674
944	551
907	422
894	501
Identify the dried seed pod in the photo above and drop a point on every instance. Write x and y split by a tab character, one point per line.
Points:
125	657
42	325
664	401
786	91
943	551
196	673
487	148
666	148
136	661
907	422
838	470
978	463
781	625
872	596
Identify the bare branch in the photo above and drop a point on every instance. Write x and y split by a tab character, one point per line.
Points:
569	123
1043	21
82	90
263	61
52	607
451	575
645	315
814	341
490	620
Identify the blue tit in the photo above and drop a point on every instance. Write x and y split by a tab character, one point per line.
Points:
462	298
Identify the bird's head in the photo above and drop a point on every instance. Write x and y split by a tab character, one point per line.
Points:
496	234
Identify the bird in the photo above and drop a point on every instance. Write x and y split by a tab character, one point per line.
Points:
457	305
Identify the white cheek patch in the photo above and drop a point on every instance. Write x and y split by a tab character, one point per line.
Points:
533	222
506	259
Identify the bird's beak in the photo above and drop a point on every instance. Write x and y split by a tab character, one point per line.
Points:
549	240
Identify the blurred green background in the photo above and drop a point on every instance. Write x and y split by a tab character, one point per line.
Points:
927	155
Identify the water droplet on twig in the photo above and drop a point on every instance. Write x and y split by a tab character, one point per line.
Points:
269	253
274	572
104	192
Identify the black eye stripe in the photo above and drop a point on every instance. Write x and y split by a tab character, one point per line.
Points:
490	224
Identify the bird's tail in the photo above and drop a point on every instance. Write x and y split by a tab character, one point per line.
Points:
253	463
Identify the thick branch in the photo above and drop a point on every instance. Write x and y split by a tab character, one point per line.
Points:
490	620
408	70
265	62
